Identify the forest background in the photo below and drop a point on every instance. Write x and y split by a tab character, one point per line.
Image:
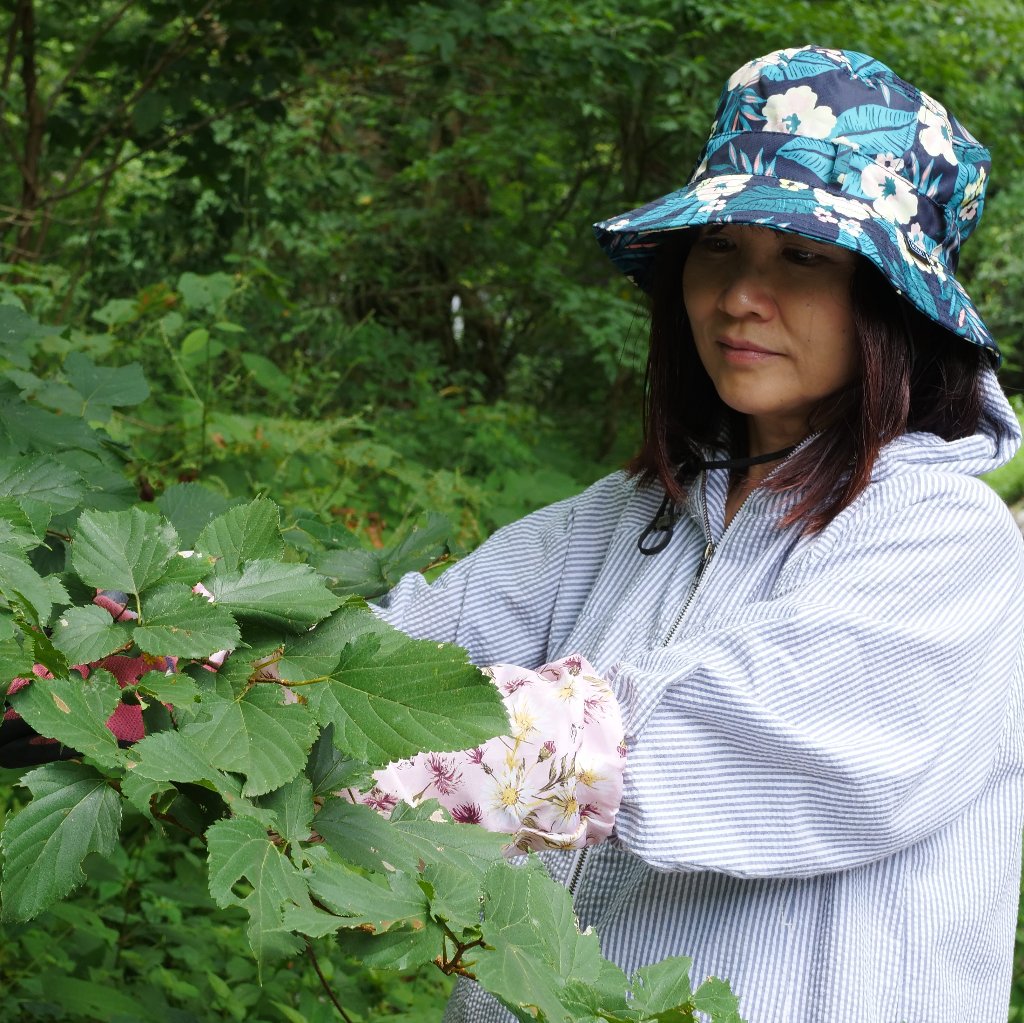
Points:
349	245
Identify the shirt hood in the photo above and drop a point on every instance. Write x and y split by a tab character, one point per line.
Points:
996	441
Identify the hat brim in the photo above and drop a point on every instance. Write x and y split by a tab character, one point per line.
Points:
631	239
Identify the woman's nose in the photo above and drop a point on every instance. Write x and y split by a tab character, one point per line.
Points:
747	290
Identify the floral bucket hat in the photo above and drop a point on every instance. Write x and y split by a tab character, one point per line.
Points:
832	145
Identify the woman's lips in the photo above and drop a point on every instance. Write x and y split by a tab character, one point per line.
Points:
738	350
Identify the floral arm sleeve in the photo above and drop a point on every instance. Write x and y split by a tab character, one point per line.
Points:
553	783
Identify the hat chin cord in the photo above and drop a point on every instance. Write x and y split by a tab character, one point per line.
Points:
664	521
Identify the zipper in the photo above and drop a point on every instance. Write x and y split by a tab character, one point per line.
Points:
577	869
711	548
705	559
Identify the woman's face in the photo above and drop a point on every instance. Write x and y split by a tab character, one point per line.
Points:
772	318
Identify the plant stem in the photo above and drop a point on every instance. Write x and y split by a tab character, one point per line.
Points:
323	982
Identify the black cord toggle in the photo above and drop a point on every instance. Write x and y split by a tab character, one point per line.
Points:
665	518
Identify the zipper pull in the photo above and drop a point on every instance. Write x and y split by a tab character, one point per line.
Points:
709	551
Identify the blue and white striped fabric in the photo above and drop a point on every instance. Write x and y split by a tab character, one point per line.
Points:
825	786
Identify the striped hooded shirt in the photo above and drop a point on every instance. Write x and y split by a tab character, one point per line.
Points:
824	795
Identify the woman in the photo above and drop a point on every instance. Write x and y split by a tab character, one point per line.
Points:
808	607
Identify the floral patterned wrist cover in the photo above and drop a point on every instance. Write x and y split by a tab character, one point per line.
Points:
554	783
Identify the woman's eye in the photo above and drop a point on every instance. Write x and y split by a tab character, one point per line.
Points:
804	257
715	243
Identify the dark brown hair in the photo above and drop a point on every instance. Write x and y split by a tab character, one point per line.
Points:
915	375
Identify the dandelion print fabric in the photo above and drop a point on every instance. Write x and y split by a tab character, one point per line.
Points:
554	782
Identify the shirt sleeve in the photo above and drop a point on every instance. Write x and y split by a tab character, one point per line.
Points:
858	710
518	595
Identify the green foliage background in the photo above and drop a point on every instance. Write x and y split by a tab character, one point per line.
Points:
349	246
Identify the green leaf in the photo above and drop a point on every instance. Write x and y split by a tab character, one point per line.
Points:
250	532
90	999
257	735
714	998
176	622
455	898
353	572
316	653
176	757
21	584
190	507
17	530
74	711
178	690
292	805
417	696
266	373
376	903
422	541
329	770
663	986
241	849
276	594
412	836
16	658
16	329
85	634
104	388
117	311
401	948
370	573
206	292
189	567
125	550
40	485
73	812
536	945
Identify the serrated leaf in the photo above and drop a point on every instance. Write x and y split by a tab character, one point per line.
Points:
423	540
714	998
329	770
419	695
454	898
125	550
411	837
73	812
257	735
315	653
17	530
353	572
188	569
368	573
377	903
104	388
16	658
190	507
536	945
176	622
249	532
85	634
283	595
74	711
21	584
175	757
178	690
292	805
604	998
40	485
241	849
401	948
662	986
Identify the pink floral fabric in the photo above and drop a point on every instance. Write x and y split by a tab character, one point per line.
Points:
554	782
